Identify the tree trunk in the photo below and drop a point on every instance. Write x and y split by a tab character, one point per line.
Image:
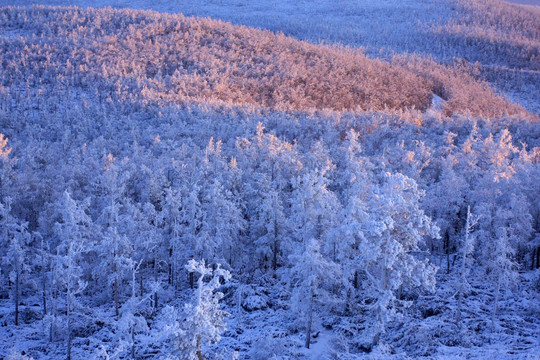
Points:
495	305
69	345
274	260
133	342
44	290
199	350
53	313
310	321
43	279
156	280
376	338
230	256
51	332
115	290
447	245
68	306
347	302
458	316
116	305
17	297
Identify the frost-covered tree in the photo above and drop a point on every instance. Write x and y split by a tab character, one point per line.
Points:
313	207
16	259
131	321
310	274
191	225
6	167
343	242
267	154
445	208
221	226
153	245
113	247
500	200
466	252
172	207
6	200
390	252
44	253
73	233
503	269
202	321
269	224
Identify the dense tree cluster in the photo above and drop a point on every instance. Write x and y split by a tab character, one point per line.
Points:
301	200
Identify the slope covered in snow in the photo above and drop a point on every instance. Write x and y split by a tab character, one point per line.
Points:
443	29
151	57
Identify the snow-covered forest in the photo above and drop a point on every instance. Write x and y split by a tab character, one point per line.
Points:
175	187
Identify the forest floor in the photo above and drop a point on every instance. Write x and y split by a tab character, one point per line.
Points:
263	327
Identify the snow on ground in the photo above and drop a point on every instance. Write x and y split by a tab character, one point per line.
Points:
319	348
427	330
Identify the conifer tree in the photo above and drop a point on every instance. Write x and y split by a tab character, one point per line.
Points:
202	321
73	233
466	251
309	276
16	260
388	260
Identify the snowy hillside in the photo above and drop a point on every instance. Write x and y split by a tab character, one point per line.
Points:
481	31
173	59
185	188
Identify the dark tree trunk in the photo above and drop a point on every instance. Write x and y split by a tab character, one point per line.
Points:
230	256
155	279
115	290
17	298
447	246
310	321
347	302
68	308
116	304
132	342
199	350
69	345
276	245
44	290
